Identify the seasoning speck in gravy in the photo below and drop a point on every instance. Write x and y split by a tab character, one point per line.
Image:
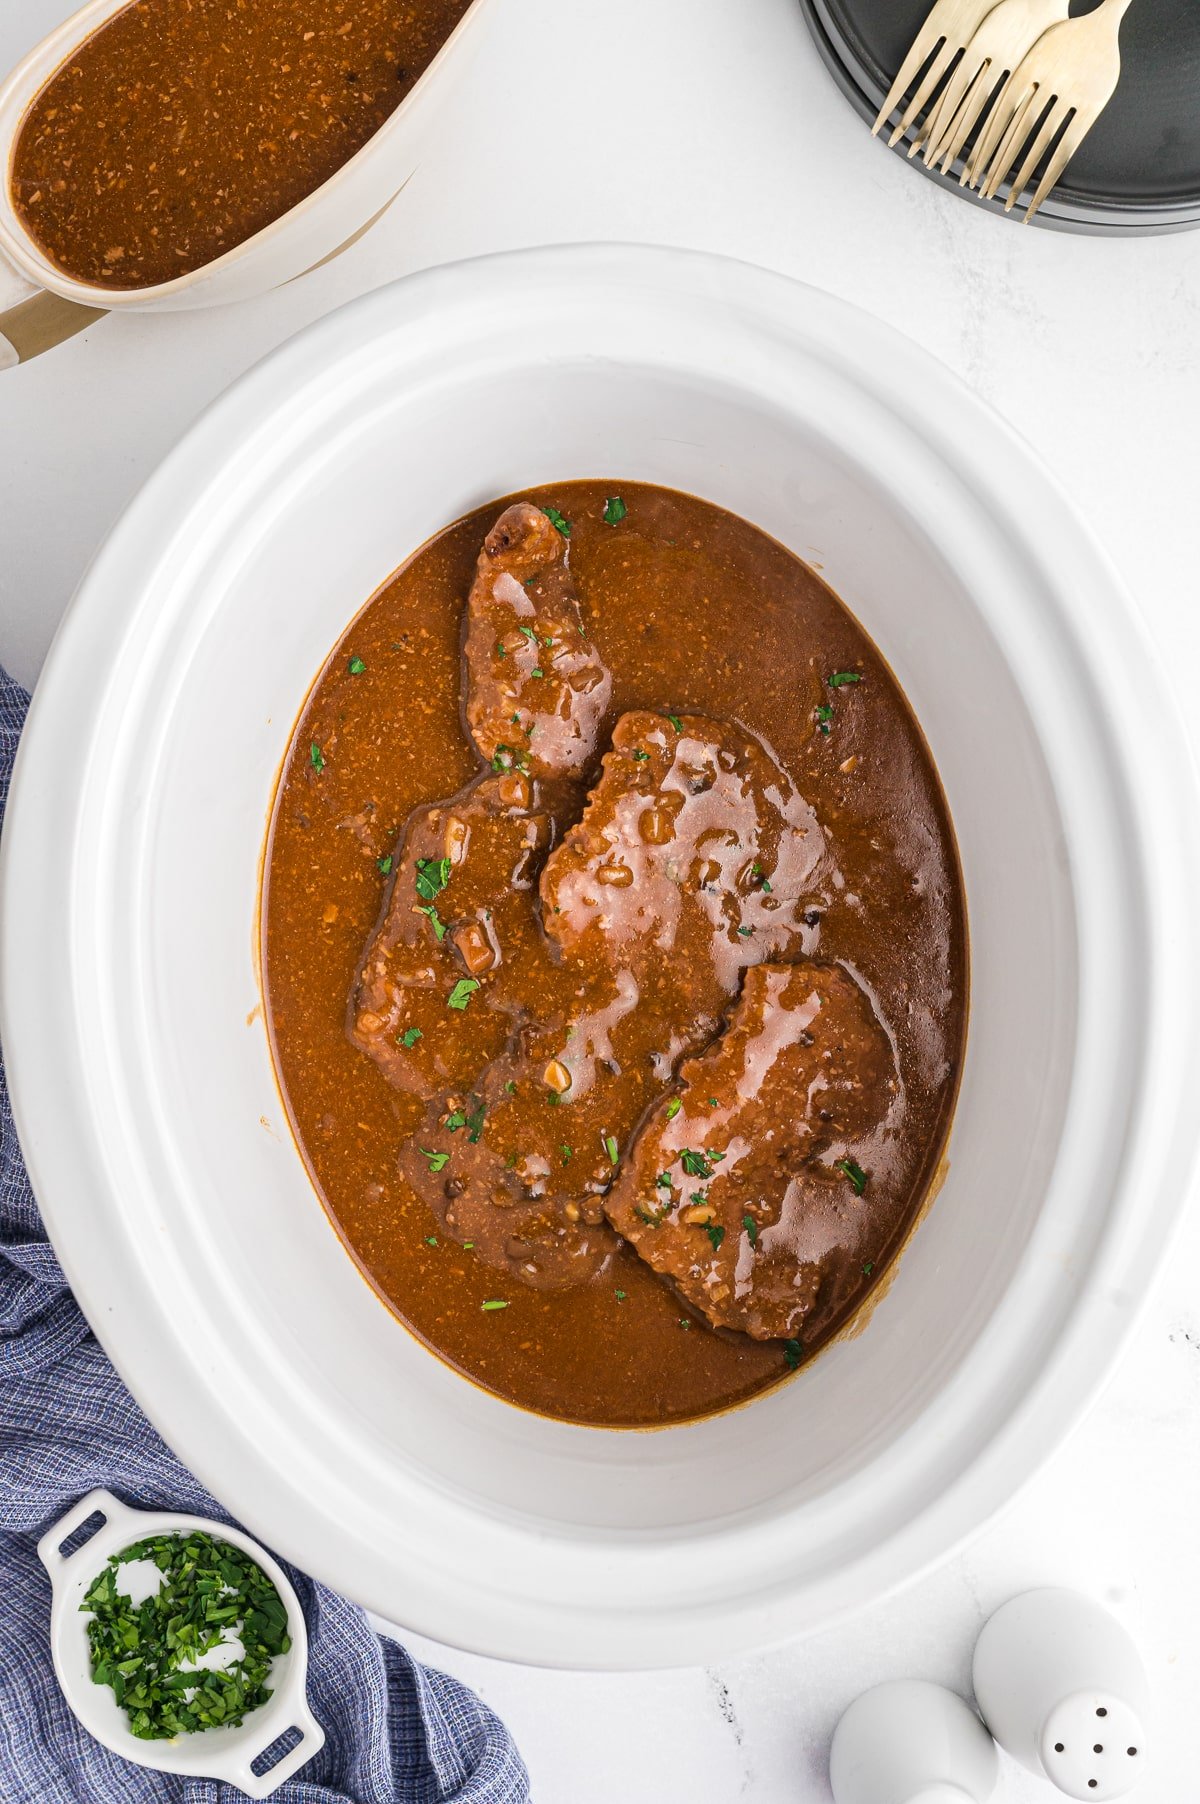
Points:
615	954
182	127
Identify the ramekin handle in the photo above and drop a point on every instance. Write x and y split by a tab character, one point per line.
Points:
239	1771
33	320
99	1502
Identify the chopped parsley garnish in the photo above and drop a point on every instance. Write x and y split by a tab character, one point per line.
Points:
435	921
455	1120
698	1196
385	864
431	1240
356	667
745	932
840	678
715	1234
409	1037
854	1172
554	1098
663	1180
537	671
505	758
433	874
316	756
529	634
474	1122
511	1087
468	1246
655	1218
500	651
437	1161
675	722
640	756
610	1147
756	870
793	1352
566	1152
683	1322
673	1108
751	1227
210	1594
824	716
620	1295
462	992
558	521
697	1165
868	1268
615	511
494	1303
713	1103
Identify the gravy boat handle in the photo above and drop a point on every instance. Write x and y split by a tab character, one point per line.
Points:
33	320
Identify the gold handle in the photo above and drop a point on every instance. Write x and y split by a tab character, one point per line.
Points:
39	324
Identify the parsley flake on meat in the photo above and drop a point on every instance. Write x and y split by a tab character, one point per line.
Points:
854	1172
433	874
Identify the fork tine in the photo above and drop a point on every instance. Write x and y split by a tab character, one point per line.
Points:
914	61
1068	144
1048	130
1005	107
968	117
944	113
990	91
927	84
1017	131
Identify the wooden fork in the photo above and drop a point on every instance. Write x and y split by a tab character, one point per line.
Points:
947	31
1058	91
996	49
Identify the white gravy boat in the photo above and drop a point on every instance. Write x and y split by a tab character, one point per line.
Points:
40	306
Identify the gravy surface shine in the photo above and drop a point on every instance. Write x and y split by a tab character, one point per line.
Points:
615	953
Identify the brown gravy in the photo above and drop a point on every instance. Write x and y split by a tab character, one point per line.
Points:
182	127
695	617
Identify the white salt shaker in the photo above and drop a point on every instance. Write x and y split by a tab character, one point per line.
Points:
909	1742
1063	1690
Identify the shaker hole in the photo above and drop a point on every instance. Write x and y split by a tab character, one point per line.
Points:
1102	1711
1058	1747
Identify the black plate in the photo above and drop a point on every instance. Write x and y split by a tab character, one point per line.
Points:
1138	169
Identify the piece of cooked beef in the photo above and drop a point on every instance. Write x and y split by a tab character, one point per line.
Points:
536	689
501	1204
694	859
448	967
696	856
720	1188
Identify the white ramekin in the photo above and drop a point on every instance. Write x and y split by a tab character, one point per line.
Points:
228	1754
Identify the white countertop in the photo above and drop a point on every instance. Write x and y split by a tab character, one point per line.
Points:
711	123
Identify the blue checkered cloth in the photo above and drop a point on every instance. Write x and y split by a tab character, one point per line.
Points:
396	1732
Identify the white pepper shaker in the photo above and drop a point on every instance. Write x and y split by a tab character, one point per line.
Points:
909	1742
1062	1688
